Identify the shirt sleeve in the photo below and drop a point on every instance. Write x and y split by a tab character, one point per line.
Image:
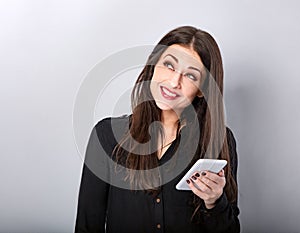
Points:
223	218
93	191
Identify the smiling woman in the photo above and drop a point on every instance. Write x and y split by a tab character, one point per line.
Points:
177	118
176	80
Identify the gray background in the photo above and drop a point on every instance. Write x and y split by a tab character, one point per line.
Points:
47	48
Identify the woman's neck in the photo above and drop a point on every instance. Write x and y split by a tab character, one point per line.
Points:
169	120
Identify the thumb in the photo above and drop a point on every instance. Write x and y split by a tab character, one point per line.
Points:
221	173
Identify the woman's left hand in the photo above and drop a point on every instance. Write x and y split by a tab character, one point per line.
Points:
208	186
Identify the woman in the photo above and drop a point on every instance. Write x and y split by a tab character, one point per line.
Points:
133	163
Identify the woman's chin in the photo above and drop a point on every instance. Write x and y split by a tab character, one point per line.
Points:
166	107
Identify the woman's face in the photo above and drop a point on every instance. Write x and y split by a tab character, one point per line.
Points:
177	77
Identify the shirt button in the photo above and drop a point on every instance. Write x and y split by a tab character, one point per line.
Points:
158	226
158	200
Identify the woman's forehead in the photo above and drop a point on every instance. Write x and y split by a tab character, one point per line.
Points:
183	54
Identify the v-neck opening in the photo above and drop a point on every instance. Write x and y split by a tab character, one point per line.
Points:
168	153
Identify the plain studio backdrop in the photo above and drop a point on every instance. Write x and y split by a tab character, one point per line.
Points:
47	49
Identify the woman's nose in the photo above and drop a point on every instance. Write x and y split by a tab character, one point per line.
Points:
175	79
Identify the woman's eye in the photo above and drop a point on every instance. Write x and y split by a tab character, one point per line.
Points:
191	76
169	65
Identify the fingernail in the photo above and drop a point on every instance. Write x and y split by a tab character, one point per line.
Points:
197	174
194	177
203	173
188	181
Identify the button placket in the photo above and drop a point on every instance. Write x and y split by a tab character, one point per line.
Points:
159	213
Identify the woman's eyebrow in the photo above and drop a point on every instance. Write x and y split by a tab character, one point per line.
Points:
190	67
194	68
172	57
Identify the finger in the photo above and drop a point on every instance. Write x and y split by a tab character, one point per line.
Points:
200	184
222	173
210	183
215	182
213	177
196	190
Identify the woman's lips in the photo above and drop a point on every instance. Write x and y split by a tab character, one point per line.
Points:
167	94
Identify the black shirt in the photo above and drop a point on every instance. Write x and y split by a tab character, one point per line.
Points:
107	208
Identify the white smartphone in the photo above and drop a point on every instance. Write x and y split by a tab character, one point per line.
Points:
212	165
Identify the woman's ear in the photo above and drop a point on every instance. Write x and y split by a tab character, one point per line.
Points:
199	94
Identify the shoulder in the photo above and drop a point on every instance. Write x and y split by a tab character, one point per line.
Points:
107	133
232	150
230	137
112	127
108	121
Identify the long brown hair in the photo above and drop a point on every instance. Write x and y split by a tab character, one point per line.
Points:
145	112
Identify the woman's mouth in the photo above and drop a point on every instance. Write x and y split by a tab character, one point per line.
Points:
167	94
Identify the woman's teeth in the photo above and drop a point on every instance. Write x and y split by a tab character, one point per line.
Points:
171	94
